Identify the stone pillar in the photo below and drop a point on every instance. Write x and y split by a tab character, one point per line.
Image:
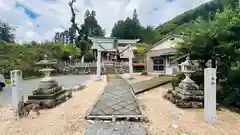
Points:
98	73
167	61
108	59
16	77
70	59
82	59
210	95
181	68
130	63
167	66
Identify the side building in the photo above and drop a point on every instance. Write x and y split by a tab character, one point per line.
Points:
159	57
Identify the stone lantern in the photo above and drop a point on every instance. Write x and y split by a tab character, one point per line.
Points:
187	94
49	93
187	70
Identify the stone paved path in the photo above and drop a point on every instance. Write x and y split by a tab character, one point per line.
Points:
123	128
116	102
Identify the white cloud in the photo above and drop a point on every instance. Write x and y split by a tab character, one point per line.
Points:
30	34
55	15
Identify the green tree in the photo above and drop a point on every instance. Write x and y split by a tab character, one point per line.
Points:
149	35
84	46
118	29
206	11
91	26
127	29
6	32
72	34
217	39
57	37
24	56
132	29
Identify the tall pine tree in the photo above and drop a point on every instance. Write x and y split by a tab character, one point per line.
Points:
127	29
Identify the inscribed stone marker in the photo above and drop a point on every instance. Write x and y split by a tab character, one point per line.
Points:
16	77
210	95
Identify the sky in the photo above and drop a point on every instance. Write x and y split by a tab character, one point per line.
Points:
39	19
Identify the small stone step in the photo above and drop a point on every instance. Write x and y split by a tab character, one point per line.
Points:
115	128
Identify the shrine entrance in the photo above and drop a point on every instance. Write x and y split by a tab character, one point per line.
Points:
111	50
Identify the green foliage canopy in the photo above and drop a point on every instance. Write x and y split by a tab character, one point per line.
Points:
24	56
130	28
6	32
217	39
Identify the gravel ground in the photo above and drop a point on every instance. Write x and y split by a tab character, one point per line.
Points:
166	119
66	119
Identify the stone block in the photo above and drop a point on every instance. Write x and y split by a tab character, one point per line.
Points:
46	96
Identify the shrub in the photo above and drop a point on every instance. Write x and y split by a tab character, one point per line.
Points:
230	95
24	57
7	81
198	77
177	79
89	57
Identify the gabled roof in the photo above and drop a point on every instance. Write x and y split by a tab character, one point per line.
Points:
122	49
102	39
125	53
162	40
128	41
179	58
111	39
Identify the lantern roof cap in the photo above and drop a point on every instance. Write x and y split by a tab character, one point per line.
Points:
187	62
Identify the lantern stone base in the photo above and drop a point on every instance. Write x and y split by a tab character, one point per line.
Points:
186	98
48	94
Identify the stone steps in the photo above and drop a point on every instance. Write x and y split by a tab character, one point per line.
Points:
110	69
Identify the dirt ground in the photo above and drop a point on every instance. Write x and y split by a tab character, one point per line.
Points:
166	119
65	119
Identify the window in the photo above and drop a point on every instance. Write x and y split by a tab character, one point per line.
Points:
158	64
